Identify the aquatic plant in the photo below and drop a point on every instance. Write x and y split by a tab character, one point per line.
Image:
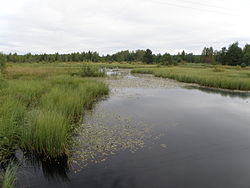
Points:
9	176
46	133
12	118
49	126
38	115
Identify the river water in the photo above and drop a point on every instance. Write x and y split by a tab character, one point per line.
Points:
156	133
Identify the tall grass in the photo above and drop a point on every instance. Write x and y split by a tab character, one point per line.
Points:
71	96
3	83
49	126
28	92
38	115
9	177
46	133
12	120
218	77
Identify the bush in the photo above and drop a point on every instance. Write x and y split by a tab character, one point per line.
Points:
243	65
90	71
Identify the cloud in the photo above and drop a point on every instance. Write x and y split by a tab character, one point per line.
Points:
108	26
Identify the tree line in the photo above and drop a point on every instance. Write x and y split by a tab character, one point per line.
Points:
233	55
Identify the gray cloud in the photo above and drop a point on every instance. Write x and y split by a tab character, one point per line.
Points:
108	26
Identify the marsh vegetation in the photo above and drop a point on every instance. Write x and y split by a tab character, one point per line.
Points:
216	76
40	110
42	107
150	127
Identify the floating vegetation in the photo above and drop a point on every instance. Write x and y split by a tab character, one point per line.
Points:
97	139
107	131
128	80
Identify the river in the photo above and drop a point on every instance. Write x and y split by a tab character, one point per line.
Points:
155	133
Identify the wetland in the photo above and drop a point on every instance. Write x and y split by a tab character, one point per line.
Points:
153	132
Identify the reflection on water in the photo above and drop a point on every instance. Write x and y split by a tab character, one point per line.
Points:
207	140
225	93
54	169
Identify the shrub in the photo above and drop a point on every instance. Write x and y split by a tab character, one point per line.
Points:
243	65
89	70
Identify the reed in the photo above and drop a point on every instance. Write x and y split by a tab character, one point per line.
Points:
39	115
9	176
45	133
12	120
218	77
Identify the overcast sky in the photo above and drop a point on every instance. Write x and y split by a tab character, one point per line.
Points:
108	26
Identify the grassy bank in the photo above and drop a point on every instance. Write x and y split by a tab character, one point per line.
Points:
39	109
9	177
225	77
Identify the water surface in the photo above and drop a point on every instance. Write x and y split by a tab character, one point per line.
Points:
195	138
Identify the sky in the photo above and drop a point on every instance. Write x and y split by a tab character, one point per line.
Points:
108	26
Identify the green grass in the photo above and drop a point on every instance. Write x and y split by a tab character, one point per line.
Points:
90	70
12	119
39	115
46	133
225	77
9	176
59	67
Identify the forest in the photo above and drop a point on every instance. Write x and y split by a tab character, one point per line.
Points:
233	55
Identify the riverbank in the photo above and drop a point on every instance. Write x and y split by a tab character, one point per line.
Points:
223	77
40	109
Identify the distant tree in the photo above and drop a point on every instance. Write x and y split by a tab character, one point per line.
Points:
183	55
148	57
166	59
122	56
190	58
234	55
176	58
220	56
246	54
207	55
139	54
57	57
28	57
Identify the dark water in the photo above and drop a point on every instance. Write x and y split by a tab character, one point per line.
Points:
207	144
